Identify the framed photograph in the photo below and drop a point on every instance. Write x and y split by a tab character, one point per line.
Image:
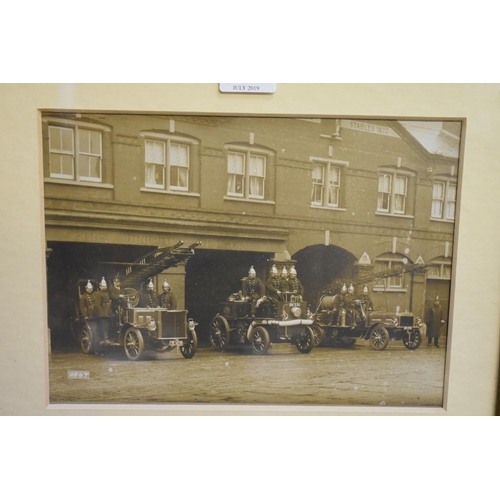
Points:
209	253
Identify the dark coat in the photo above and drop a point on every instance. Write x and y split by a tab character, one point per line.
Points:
103	304
88	305
168	300
434	321
273	286
152	299
295	286
253	288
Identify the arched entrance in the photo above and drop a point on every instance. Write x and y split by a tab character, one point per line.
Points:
319	265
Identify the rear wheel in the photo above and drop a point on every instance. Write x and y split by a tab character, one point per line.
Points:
219	333
133	343
88	339
412	340
305	341
189	348
379	338
259	338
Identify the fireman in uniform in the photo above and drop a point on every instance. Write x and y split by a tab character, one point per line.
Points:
294	284
151	295
253	289
88	302
273	286
350	305
104	310
116	293
284	280
167	298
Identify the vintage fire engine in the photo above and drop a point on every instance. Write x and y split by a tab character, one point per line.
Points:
290	320
138	329
341	319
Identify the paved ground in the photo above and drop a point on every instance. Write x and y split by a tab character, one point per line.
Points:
327	376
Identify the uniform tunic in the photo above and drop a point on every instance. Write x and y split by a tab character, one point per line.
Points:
103	303
168	300
295	286
253	288
273	286
88	306
152	299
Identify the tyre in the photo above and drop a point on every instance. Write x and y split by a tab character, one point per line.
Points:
319	335
379	338
133	343
412	340
88	339
188	349
218	333
259	338
305	340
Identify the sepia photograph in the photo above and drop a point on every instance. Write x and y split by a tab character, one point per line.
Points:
243	259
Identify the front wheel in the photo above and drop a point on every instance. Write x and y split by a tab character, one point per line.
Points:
133	343
188	349
379	338
305	341
219	333
412	340
259	338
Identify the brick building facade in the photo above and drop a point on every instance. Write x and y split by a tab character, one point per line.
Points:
342	198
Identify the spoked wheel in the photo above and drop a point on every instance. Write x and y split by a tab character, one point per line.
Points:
412	340
259	339
305	341
133	344
319	334
188	349
379	338
88	339
219	333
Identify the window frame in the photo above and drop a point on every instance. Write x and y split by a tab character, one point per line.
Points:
393	175
442	264
445	202
327	167
247	153
390	287
167	140
75	128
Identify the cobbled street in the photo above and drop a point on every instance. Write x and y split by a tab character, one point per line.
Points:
395	377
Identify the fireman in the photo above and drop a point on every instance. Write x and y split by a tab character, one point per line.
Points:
167	298
294	284
253	288
151	295
284	280
104	310
273	286
88	307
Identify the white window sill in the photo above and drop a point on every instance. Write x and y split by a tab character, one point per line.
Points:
166	191
401	216
78	183
390	290
320	207
249	200
448	221
438	278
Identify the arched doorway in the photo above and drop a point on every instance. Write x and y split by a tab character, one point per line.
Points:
319	265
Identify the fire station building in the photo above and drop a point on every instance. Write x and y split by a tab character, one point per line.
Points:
341	198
